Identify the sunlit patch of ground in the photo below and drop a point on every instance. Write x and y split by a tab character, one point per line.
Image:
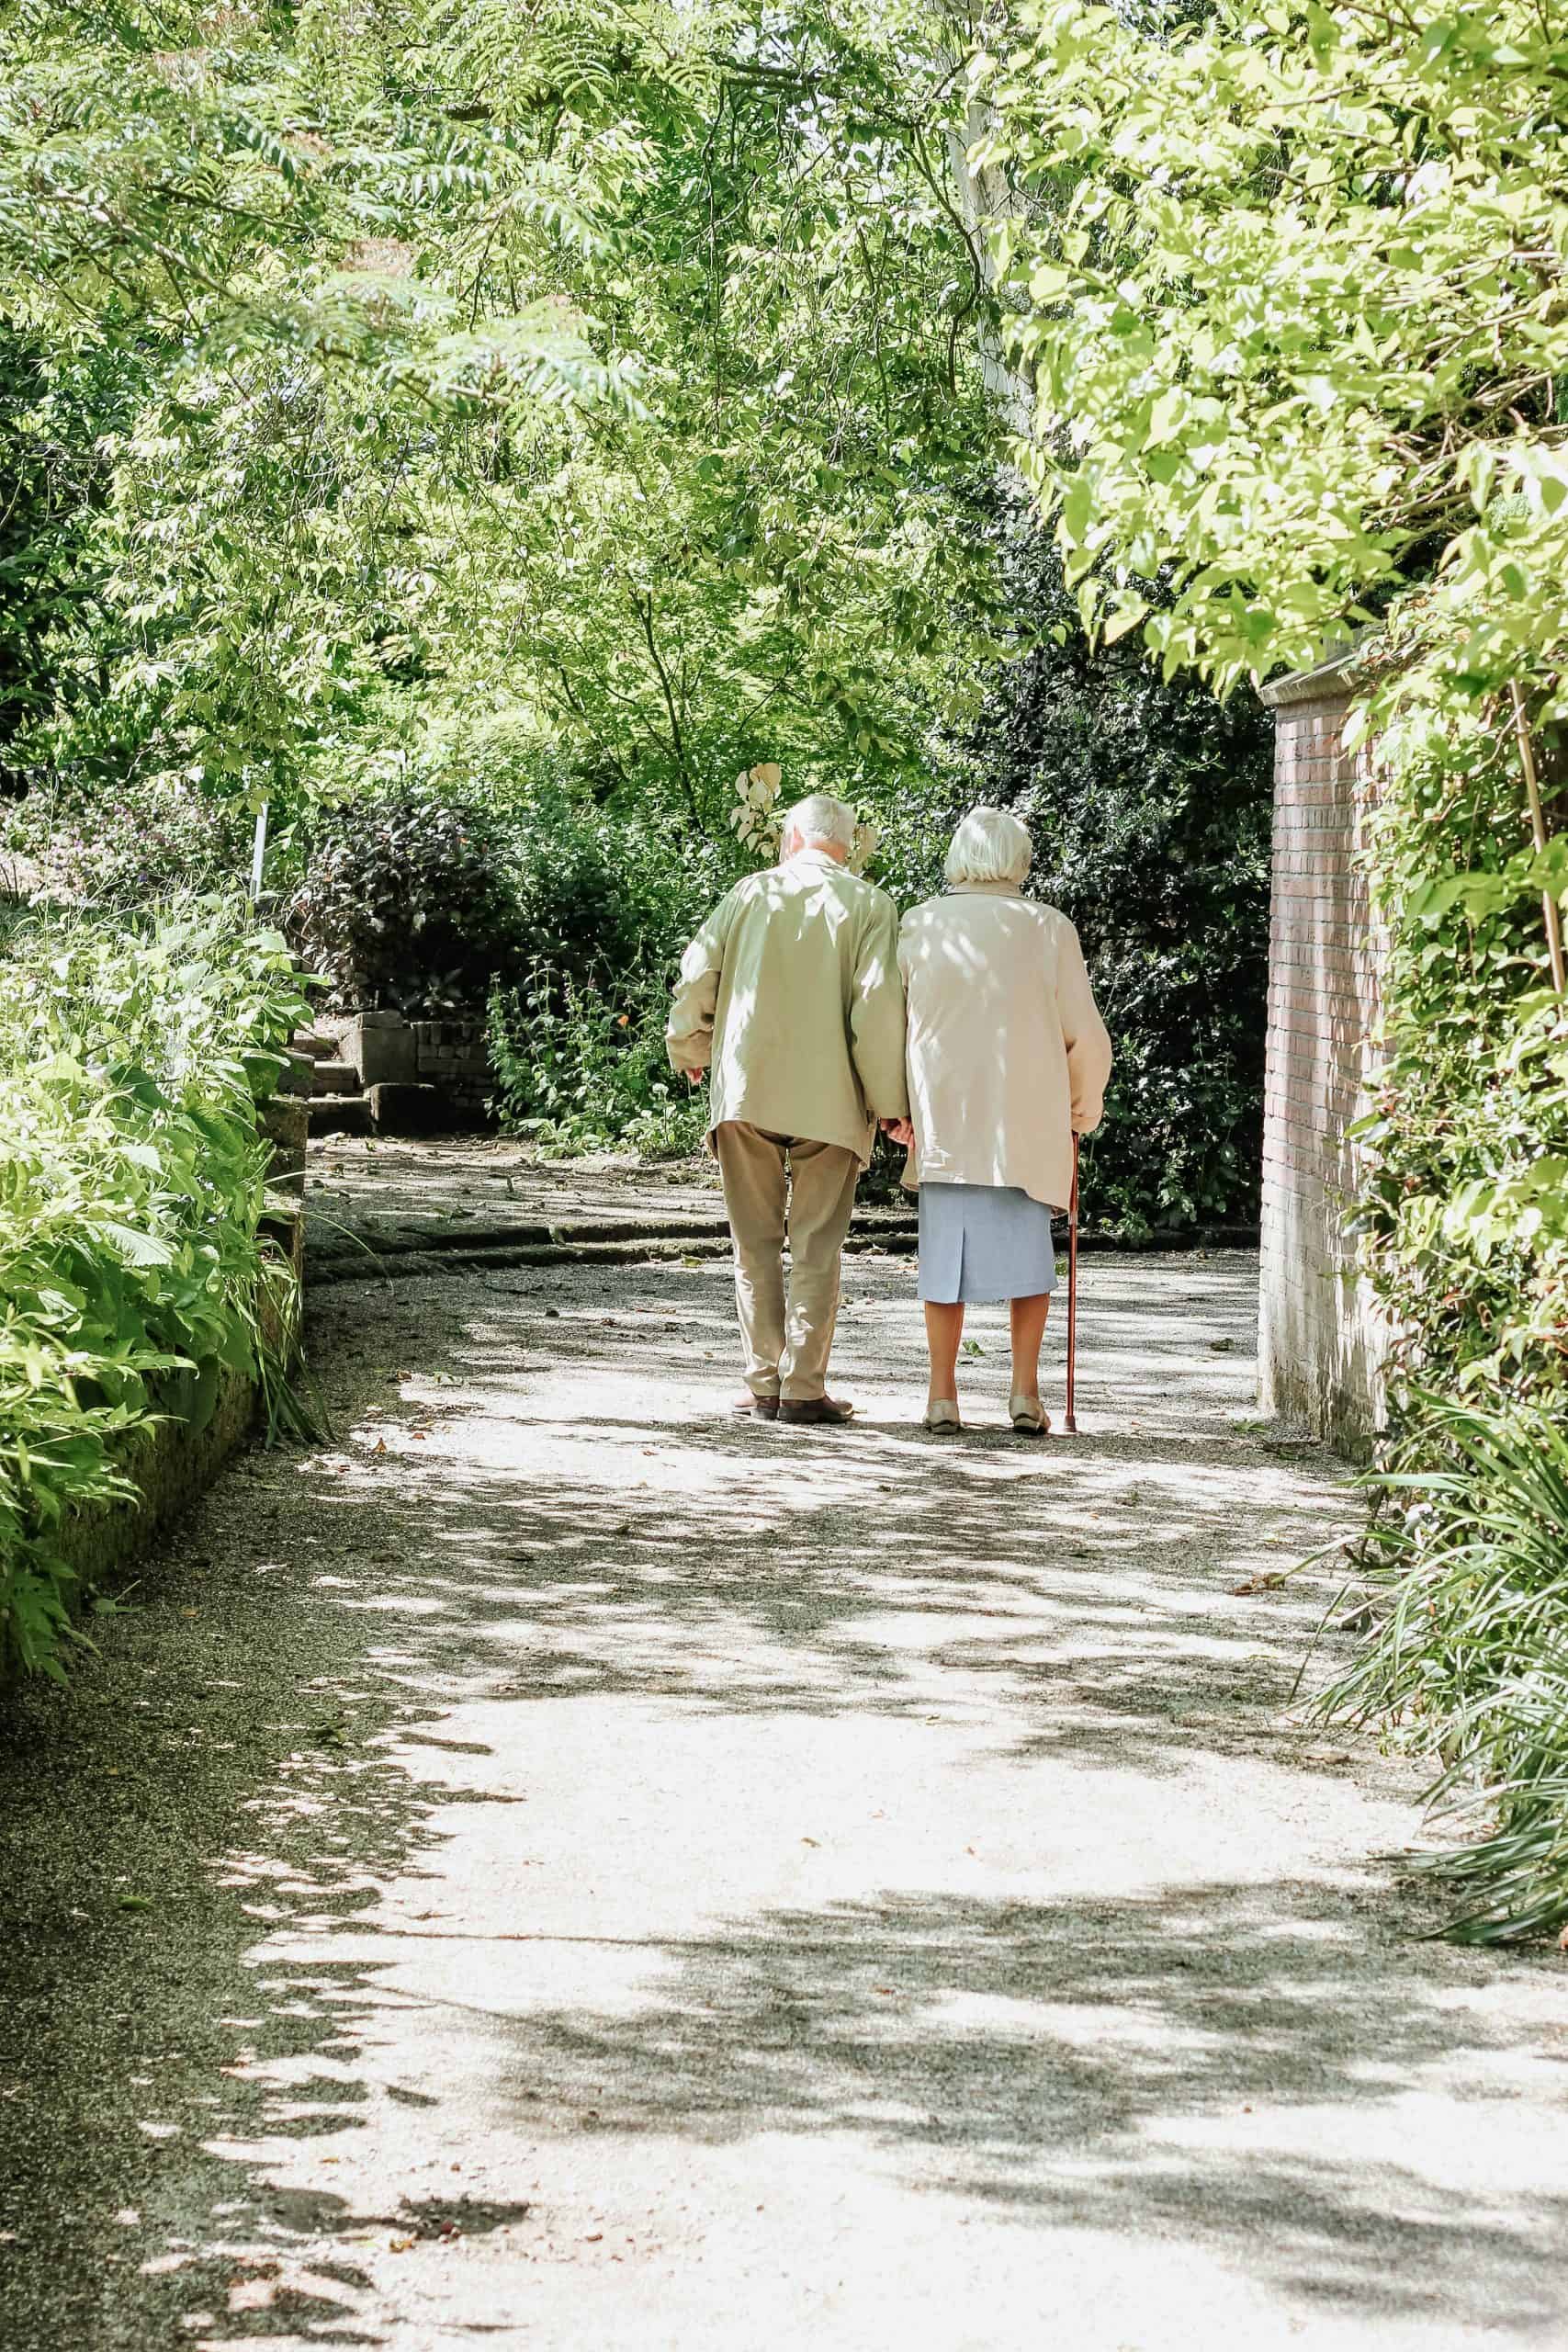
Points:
559	1865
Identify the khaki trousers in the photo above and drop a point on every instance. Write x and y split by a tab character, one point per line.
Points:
786	1344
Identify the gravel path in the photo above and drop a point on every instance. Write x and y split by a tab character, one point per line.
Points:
558	1868
364	1189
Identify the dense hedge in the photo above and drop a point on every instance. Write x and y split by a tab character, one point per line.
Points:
132	1273
1150	804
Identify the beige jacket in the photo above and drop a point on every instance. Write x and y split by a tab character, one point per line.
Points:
790	994
1007	1055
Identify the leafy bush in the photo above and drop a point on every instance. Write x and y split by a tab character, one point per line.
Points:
579	1068
1470	1653
419	894
405	902
1150	804
582	916
131	1187
127	849
59	401
604	895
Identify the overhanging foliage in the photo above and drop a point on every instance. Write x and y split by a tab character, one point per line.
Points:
1288	289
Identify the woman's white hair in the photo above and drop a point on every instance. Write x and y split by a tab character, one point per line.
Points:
990	845
821	818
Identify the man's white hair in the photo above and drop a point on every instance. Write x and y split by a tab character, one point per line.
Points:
821	818
990	845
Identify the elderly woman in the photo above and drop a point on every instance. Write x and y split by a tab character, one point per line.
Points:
1008	1059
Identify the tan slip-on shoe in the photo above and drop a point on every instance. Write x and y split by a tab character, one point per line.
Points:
1028	1417
941	1416
805	1410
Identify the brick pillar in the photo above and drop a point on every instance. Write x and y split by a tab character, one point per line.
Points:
1320	1343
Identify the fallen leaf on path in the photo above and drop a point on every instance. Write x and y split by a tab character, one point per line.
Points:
811	1841
253	2295
1221	1347
1259	1584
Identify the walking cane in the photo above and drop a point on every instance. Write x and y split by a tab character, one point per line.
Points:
1069	1420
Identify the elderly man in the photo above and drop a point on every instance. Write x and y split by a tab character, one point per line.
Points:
791	992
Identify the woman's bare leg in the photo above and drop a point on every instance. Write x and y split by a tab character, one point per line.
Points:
1027	1317
944	1328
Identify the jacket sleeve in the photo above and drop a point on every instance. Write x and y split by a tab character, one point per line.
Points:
876	1014
1083	1032
688	1033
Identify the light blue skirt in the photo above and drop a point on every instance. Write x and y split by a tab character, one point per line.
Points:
984	1242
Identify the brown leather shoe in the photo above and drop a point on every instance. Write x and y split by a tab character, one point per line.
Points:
765	1408
813	1409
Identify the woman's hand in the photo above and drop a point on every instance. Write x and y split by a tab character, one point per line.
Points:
901	1131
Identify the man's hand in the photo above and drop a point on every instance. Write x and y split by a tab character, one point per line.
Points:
695	1076
901	1131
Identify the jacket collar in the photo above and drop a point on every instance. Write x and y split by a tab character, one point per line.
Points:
983	890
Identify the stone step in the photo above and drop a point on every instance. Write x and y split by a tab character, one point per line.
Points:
314	1044
409	1110
285	1121
335	1077
341	1115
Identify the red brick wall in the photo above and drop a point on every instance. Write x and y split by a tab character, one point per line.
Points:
1319	1343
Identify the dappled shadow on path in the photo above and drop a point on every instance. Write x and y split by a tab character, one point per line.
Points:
1164	2063
649	1783
583	1535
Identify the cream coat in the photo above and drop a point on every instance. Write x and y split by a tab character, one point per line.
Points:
1007	1053
790	994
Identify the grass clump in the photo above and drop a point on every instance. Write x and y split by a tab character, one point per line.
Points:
1466	1563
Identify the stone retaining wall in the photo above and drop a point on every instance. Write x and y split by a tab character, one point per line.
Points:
172	1463
172	1468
